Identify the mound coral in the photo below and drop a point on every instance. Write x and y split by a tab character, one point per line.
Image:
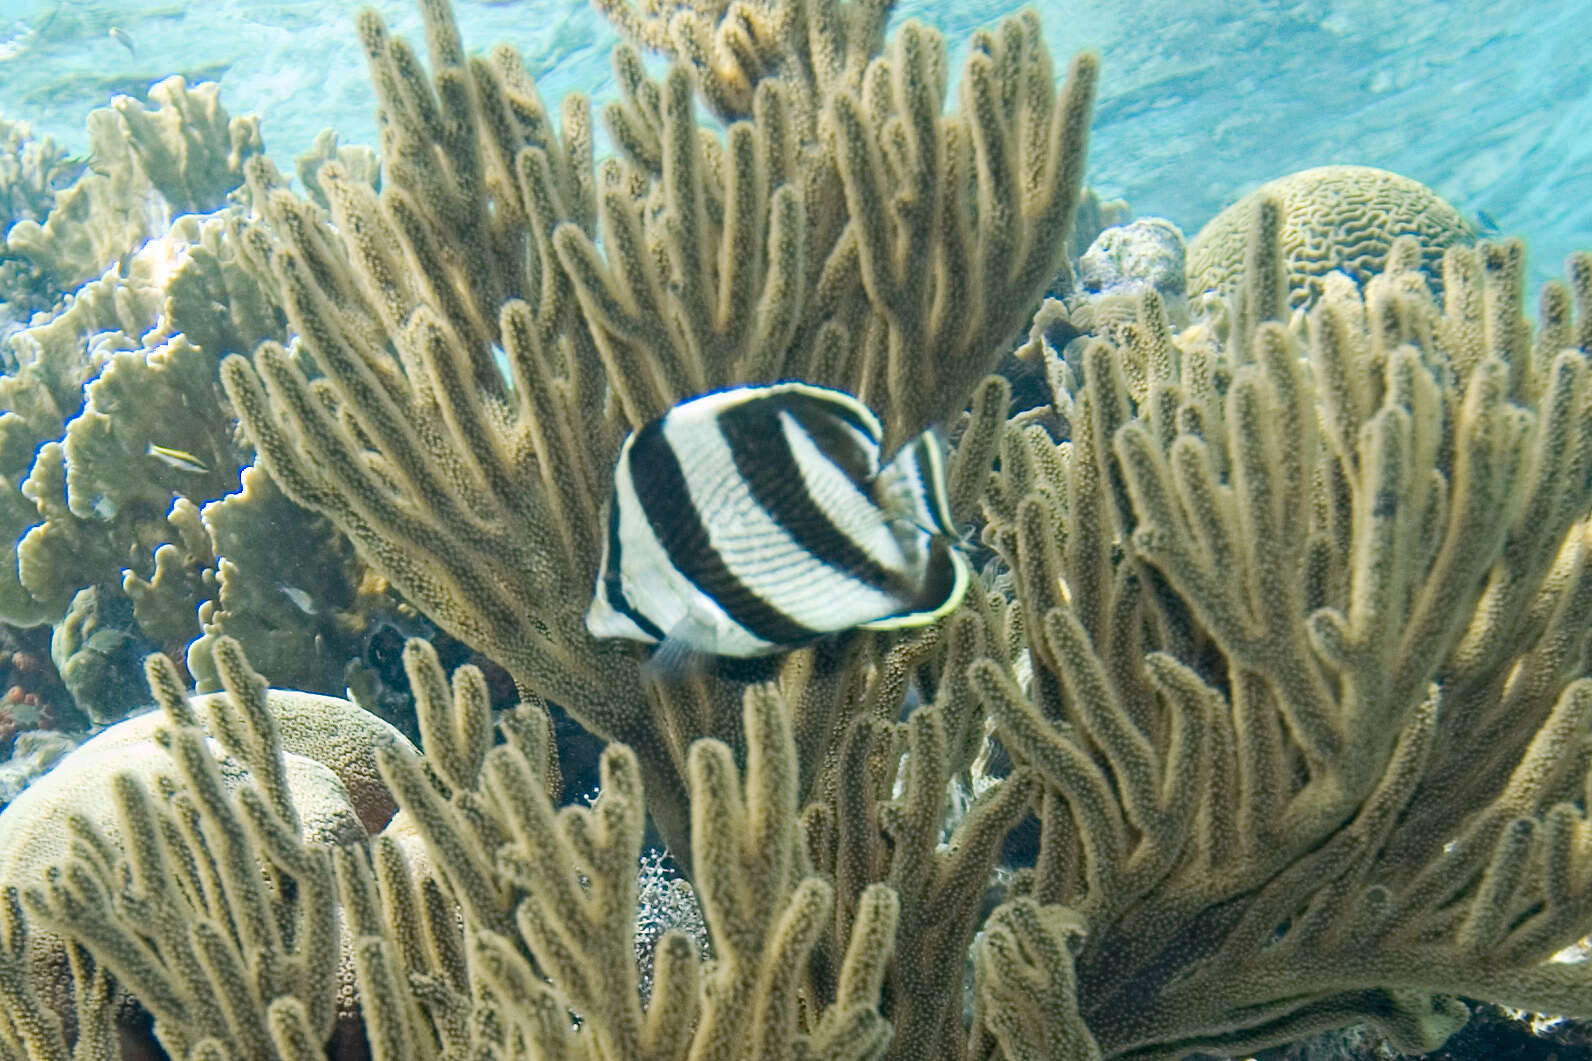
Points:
1334	218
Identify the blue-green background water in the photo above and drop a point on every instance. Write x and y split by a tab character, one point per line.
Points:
1490	104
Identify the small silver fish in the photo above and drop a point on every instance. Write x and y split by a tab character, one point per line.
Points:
749	521
180	459
122	37
301	600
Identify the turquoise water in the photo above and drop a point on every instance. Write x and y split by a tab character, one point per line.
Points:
1201	99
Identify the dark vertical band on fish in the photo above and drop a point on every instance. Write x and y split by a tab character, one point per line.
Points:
660	486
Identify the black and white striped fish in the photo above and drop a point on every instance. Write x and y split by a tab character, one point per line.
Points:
748	521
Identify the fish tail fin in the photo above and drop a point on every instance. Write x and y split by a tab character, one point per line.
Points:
911	487
949	575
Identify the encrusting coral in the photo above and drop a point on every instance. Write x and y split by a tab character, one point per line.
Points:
182	156
91	454
33	171
120	455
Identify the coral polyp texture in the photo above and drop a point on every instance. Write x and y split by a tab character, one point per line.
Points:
1335	218
873	244
1318	625
1270	713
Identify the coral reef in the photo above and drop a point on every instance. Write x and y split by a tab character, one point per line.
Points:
1349	571
90	452
99	654
468	359
1270	713
329	767
32	753
183	156
191	802
1125	259
34	696
201	883
119	453
32	172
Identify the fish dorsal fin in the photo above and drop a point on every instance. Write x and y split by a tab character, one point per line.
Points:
911	487
841	427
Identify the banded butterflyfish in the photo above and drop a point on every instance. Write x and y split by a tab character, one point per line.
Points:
749	521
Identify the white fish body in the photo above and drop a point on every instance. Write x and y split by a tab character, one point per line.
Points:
748	521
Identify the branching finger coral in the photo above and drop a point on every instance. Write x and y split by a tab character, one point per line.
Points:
878	815
179	911
486	920
1030	1006
474	340
1309	691
1284	643
549	895
732	45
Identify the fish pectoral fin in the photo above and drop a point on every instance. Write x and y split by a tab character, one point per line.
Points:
677	656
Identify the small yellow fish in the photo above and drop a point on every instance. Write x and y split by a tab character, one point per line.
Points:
180	459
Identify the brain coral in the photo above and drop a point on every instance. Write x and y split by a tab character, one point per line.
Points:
1333	217
329	748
